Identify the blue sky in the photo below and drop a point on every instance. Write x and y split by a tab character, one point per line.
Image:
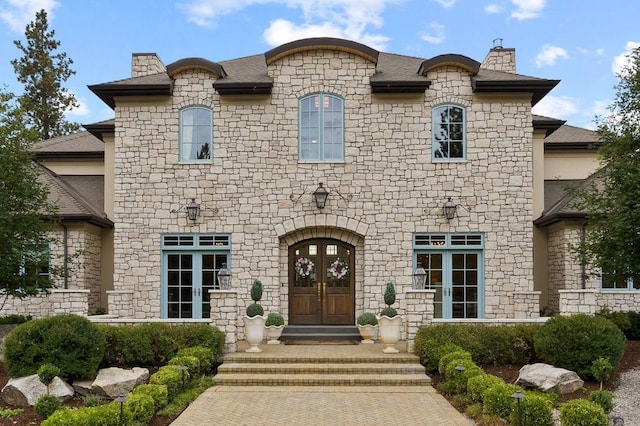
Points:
582	43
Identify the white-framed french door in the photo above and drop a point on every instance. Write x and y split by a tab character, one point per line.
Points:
190	265
454	269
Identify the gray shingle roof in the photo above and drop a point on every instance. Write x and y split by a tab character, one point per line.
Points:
76	143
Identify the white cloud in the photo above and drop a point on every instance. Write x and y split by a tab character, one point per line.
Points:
556	107
493	8
621	62
549	55
446	3
82	110
18	13
527	9
437	34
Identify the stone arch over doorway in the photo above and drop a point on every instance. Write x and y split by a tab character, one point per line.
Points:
327	227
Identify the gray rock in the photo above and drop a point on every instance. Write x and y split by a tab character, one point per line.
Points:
113	382
548	378
23	391
83	387
61	389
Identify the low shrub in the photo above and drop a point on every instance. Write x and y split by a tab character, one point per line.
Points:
154	344
634	331
576	342
93	400
71	342
476	385
191	362
14	319
274	319
104	415
498	399
204	355
535	410
141	407
171	377
157	392
580	412
431	355
457	373
46	406
604	399
447	358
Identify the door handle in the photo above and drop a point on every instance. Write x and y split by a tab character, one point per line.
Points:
319	291
324	291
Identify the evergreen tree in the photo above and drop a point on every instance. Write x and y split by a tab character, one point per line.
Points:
24	234
611	198
43	72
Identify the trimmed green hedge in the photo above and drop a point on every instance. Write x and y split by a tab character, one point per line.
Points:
154	344
580	412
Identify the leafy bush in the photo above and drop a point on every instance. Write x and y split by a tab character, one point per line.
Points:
254	310
476	385
191	362
104	415
46	406
498	399
157	392
576	342
204	355
456	378
495	345
93	400
15	319
447	358
47	372
535	410
580	412
601	370
171	377
274	319
141	407
367	318
620	319
154	344
603	399
71	342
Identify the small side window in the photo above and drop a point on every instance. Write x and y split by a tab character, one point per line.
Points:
196	135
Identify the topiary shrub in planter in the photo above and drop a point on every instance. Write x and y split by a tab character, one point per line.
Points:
274	319
367	326
389	299
254	320
576	342
274	325
389	323
580	412
255	308
71	342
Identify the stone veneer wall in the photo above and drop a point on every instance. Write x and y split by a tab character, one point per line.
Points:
396	189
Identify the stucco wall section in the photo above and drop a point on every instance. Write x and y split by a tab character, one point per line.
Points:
391	187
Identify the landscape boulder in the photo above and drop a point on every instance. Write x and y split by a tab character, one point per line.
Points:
114	382
548	378
25	391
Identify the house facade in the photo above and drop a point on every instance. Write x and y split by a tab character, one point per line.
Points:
326	169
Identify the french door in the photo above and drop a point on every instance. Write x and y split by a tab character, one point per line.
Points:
321	283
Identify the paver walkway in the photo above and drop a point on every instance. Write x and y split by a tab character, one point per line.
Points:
320	405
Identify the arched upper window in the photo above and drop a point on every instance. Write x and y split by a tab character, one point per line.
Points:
321	132
448	131
196	135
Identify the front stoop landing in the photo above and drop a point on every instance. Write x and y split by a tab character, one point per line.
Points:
321	365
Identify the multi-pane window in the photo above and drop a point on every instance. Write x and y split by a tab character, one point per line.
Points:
448	133
321	133
196	134
454	269
190	267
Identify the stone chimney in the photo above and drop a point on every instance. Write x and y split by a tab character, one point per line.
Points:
146	64
500	59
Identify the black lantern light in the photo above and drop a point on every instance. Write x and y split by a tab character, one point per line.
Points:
224	278
193	209
449	209
419	277
320	196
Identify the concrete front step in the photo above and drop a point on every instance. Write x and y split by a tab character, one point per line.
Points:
323	379
339	365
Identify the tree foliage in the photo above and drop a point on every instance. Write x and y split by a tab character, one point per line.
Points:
611	198
23	204
43	72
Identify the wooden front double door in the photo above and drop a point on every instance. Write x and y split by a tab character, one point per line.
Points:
321	283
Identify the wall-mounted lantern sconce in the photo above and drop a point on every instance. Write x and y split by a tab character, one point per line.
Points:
419	278
449	209
193	209
320	196
224	278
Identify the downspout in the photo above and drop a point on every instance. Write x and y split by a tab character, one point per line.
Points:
583	263
65	248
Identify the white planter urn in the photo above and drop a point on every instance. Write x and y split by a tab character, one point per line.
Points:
389	330
368	332
254	331
273	333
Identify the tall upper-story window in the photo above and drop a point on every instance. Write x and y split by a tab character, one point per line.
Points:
196	135
321	128
448	130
